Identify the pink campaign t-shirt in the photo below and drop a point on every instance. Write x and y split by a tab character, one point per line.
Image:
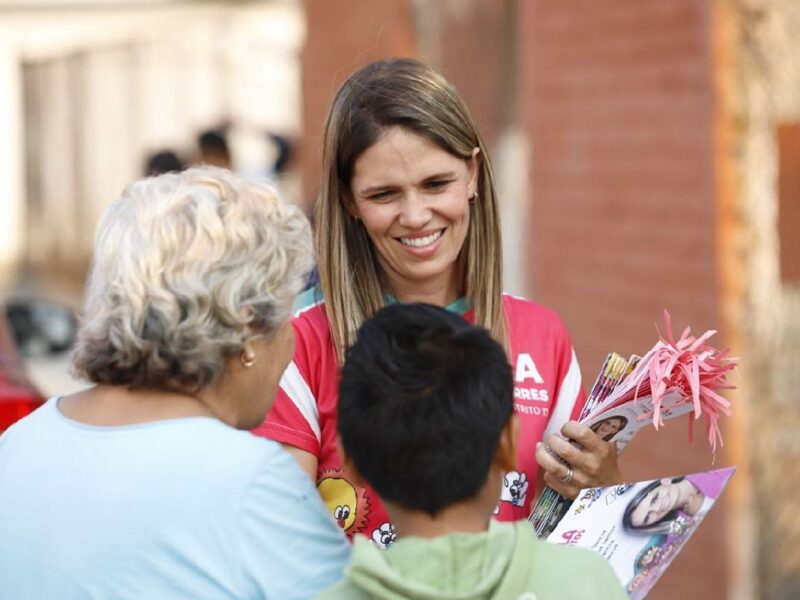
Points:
547	393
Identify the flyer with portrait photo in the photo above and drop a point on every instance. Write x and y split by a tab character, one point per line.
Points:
640	527
618	424
621	422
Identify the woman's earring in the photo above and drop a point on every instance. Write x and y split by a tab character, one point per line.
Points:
248	359
474	198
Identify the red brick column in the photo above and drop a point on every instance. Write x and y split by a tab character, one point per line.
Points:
343	35
618	100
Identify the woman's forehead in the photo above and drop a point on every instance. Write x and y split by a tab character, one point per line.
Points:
402	154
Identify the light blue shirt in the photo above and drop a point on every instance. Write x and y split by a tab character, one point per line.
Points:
181	508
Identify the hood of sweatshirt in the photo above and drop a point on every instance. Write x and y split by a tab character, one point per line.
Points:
451	567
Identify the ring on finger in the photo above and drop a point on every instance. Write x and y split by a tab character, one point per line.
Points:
568	477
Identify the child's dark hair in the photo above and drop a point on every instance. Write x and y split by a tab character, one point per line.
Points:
423	399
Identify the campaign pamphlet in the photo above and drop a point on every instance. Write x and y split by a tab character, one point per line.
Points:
676	377
640	527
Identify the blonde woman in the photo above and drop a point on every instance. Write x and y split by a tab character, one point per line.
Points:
143	486
408	212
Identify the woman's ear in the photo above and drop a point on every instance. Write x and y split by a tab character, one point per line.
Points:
506	455
474	167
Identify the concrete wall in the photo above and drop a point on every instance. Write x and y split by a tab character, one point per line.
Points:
765	111
88	91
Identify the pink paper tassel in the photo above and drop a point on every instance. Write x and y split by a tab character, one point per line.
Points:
693	368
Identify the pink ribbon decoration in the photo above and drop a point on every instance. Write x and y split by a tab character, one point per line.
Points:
691	367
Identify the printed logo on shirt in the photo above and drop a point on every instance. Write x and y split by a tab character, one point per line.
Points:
515	488
526	374
347	503
521	393
526	369
534	411
384	536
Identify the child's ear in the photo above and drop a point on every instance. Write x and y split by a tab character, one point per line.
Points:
506	455
353	474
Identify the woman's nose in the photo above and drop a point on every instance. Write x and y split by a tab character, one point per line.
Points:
414	212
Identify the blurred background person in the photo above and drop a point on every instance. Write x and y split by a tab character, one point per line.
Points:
165	161
141	486
213	149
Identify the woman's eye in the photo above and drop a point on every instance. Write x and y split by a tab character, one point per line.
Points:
383	195
437	184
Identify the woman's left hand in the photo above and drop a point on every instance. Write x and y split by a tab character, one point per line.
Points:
591	462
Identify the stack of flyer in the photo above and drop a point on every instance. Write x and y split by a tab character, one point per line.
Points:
676	377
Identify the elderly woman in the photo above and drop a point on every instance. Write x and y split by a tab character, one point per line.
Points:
143	486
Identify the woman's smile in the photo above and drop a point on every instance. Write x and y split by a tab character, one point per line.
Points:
422	241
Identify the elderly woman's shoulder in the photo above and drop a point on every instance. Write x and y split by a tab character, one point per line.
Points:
232	455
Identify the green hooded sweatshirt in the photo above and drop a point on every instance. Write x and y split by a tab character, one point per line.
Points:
507	562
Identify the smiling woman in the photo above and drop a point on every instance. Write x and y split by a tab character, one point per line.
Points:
412	199
408	212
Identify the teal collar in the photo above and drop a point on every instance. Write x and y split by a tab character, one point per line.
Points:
460	306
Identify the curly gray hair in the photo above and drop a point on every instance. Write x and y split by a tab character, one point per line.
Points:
187	267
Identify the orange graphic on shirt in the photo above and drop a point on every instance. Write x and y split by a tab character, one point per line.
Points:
346	502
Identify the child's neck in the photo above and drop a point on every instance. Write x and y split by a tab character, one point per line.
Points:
465	517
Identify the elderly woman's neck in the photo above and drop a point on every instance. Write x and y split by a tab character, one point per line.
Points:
111	405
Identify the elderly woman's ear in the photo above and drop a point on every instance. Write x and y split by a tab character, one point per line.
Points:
247	356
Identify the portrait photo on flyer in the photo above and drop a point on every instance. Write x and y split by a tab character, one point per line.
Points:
640	527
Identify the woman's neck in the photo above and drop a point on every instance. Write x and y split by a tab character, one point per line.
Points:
440	292
112	405
436	296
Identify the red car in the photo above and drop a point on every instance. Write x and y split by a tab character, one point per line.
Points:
18	397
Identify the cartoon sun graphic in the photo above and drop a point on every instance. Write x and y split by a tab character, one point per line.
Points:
347	503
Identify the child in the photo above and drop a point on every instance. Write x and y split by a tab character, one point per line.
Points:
426	417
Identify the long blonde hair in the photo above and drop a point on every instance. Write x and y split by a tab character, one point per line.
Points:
412	95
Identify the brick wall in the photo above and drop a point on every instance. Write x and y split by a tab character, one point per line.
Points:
473	54
343	35
619	106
